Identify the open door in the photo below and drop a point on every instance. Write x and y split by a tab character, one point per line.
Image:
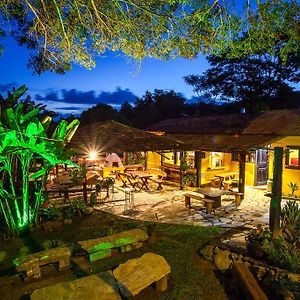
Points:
262	163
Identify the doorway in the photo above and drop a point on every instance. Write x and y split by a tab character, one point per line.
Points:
262	163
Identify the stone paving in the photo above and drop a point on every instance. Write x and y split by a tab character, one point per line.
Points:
167	206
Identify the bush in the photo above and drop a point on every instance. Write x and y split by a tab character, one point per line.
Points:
51	213
53	243
281	252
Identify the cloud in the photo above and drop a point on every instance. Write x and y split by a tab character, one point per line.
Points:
69	108
8	86
75	97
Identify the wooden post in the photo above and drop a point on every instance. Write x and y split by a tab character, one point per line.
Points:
84	185
242	173
198	155
175	157
275	205
182	160
146	157
161	159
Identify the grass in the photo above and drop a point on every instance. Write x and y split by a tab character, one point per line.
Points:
191	277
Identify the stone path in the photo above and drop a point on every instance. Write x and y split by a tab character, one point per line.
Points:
167	206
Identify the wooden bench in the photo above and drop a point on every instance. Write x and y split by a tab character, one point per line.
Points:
208	202
137	274
102	247
31	263
248	283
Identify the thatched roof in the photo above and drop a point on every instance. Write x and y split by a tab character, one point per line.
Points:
275	122
223	143
111	136
214	124
231	132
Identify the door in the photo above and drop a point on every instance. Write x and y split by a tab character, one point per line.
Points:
262	160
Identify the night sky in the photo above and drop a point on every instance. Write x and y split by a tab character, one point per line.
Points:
114	80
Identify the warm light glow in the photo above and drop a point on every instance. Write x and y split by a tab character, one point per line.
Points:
93	155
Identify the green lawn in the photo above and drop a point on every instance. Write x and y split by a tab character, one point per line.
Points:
190	278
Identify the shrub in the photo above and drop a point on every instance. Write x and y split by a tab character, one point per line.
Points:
51	213
53	243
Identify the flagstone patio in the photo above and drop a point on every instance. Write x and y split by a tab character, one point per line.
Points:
167	206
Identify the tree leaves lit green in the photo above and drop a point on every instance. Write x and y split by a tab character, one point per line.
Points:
75	31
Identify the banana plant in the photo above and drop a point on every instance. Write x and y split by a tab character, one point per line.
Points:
24	141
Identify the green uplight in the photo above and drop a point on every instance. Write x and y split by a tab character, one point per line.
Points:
23	141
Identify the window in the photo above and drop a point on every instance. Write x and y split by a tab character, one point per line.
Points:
217	159
292	159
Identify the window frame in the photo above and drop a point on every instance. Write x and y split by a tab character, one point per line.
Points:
287	158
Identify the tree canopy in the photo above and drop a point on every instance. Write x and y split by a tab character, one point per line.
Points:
257	81
68	31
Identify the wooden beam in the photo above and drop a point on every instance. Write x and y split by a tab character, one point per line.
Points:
198	163
242	173
146	158
275	206
182	161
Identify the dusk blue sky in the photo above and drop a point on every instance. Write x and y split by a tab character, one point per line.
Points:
112	72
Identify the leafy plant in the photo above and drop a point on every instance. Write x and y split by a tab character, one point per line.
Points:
51	213
188	178
294	187
23	141
69	212
184	166
53	243
290	219
78	205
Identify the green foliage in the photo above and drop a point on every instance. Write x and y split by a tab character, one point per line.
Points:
79	206
188	178
54	243
290	220
184	166
257	82
282	252
69	212
294	187
62	32
24	141
51	213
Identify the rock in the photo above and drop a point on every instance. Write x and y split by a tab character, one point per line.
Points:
137	274
3	255
68	221
100	286
207	252
294	277
222	260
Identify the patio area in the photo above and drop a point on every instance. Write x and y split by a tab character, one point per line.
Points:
167	206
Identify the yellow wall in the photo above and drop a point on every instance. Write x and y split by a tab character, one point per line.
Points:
288	175
207	172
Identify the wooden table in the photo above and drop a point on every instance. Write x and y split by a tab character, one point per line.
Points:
214	194
144	176
226	176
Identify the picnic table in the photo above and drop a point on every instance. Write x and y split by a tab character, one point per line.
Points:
226	177
143	176
210	193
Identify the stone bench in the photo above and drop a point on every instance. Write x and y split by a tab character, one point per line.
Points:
31	264
126	280
139	273
248	283
208	202
100	286
124	241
